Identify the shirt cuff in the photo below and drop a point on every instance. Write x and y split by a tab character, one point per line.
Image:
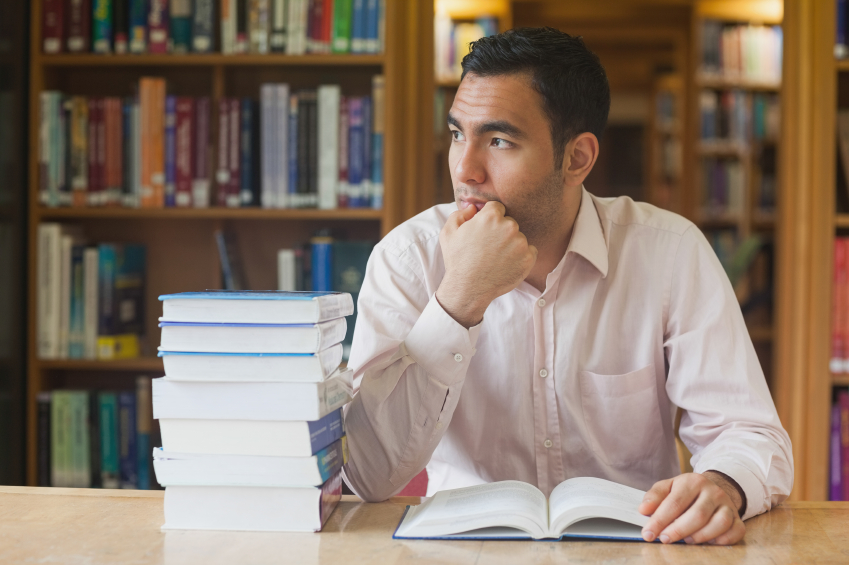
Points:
748	481
441	346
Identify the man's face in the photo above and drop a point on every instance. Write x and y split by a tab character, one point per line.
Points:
502	150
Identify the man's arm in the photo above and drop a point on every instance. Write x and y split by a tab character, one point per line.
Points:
729	421
411	350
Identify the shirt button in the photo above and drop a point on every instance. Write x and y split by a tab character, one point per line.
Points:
543	373
458	358
541	302
547	443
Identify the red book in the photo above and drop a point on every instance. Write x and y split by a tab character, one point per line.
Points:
222	175
327	26
157	26
843	402
114	150
52	26
102	194
79	25
314	11
93	176
234	149
838	304
183	141
201	149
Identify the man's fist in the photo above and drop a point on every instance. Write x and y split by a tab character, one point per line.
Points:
485	256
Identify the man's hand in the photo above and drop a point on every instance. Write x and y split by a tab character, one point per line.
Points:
485	256
695	507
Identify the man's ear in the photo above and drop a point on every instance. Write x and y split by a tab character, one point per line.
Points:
580	156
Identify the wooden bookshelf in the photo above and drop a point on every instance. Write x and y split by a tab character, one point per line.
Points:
664	181
181	253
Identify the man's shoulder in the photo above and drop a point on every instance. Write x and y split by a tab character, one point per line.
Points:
623	211
420	231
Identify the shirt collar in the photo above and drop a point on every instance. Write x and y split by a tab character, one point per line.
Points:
588	235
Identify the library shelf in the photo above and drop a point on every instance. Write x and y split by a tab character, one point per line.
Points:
134	364
841	379
761	333
212	213
718	221
722	149
842	65
841	221
723	83
448	83
205	60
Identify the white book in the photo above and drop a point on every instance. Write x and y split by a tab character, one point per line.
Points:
286	270
268	509
228	26
328	144
281	155
295	41
251	401
255	307
585	507
251	338
174	468
91	259
268	145
49	249
251	437
256	367
66	244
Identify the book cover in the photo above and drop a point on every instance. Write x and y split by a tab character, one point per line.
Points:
128	454
358	26
91	259
180	20
59	441
79	25
328	145
64	152
43	409
157	26
93	131
234	158
843	402
301	199
76	331
121	26
342	186
839	306
94	440
228	26
291	153
378	128
184	113
312	150
102	26
79	436
200	146
152	93
258	25
113	150
144	424
341	42
268	145
202	22
222	175
248	194
277	37
327	26
241	26
121	282
49	266
138	26
232	271
66	247
53	25
109	443
170	151
314	10
293	15
79	151
371	21
322	264
280	150
286	278
356	151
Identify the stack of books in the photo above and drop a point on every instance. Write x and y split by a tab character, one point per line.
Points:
250	409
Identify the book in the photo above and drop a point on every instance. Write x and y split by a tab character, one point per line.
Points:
269	143
144	423
157	26
170	187
91	293
121	310
256	367
59	443
128	454
184	128
835	475
180	26
248	194
43	408
102	26
342	186
232	270
94	443
222	174
138	26
78	159
152	118
234	155
228	26
242	42
200	146
358	26
843	402
79	25
321	258
121	26
293	509
250	400
356	151
291	153
341	39
255	307
53	26
328	145
76	322
583	507
109	442
839	306
251	437
203	469
377	132
278	30
80	473
371	41
202	24
258	25
48	289
287	278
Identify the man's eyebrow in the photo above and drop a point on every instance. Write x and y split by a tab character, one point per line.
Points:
452	121
502	126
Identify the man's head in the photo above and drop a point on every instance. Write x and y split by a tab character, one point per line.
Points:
525	124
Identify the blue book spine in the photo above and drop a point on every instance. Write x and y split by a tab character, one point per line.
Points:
293	147
377	169
246	156
76	333
356	141
138	26
371	41
170	151
128	459
106	315
358	26
331	458
325	431
322	264
102	26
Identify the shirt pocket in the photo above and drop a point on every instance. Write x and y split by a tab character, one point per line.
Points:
622	416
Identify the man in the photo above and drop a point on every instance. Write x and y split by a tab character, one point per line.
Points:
538	333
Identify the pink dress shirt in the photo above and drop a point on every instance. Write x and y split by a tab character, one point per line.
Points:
583	379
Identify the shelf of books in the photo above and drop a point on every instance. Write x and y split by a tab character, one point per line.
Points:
735	108
184	146
665	143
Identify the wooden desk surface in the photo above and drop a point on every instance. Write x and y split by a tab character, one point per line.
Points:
70	526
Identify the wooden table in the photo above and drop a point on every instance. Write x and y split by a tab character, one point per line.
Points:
69	526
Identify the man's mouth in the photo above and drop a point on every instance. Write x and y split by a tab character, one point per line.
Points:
476	203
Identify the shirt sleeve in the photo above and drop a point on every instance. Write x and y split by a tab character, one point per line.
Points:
729	421
410	360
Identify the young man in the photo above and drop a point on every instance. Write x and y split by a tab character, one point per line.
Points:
535	332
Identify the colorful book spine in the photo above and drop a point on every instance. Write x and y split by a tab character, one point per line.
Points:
93	144
114	150
292	153
138	26
841	49
153	142
102	26
79	25
269	144
378	128
835	491
76	330
277	36
144	423
109	443
322	264
258	25
228	26
342	187
200	147
53	26
60	419
241	26
180	26
328	145
247	151
80	449
121	26
303	179
128	454
358	26
281	146
91	259
356	151
222	175
157	26
341	42
79	150
843	402
170	151
202	26
312	149
185	109
839	306
371	44
234	154
365	194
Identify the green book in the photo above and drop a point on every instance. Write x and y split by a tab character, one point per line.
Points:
101	28
108	402
181	26
58	439
79	439
341	42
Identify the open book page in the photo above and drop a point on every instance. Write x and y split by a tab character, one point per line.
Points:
511	504
581	498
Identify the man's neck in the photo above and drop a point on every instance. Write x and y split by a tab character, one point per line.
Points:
552	248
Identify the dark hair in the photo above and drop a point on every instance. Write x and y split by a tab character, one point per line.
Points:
568	76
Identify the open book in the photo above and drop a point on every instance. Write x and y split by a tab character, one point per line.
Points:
583	507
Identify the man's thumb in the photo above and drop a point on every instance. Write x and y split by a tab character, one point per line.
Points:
468	213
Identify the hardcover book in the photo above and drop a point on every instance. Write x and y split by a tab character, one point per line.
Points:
255	307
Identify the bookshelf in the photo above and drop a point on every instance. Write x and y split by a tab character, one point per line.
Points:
181	251
666	125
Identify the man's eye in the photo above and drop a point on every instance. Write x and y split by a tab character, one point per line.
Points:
501	143
457	135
